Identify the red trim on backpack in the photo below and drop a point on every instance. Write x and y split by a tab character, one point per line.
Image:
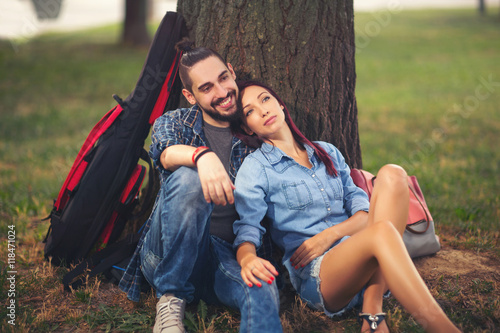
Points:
128	194
165	90
79	166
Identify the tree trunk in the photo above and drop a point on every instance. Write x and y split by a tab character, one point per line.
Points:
302	49
482	7
135	31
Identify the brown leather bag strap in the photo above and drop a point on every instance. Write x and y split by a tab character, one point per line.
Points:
427	217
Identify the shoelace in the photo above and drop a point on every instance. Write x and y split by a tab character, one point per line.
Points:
170	312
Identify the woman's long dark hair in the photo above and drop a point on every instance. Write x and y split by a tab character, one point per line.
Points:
255	142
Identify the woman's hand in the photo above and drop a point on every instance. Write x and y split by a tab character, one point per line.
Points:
314	247
253	267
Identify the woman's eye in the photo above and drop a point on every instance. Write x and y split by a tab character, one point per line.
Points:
265	99
249	112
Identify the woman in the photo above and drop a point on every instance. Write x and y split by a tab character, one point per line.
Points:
339	254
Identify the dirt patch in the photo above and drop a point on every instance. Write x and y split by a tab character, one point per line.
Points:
456	262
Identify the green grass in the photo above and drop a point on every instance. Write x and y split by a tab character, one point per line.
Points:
422	103
428	93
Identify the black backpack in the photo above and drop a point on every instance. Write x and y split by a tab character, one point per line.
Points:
103	185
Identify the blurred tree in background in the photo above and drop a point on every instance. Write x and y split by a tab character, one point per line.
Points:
135	30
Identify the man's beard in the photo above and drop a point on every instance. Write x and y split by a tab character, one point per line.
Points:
221	117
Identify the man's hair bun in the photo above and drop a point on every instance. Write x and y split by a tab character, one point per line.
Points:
185	45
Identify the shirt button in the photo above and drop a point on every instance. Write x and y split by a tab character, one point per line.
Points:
322	189
328	209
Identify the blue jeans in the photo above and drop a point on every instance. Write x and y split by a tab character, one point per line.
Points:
179	256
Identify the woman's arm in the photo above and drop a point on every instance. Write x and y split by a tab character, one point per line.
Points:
320	243
253	267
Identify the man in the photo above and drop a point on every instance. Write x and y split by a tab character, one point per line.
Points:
185	252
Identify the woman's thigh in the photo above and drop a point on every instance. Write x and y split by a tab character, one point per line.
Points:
347	268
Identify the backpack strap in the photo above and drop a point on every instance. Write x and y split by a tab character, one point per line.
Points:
150	188
101	261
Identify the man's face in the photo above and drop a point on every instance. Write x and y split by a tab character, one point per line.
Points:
214	90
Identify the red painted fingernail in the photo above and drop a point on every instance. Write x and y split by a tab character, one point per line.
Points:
259	285
270	281
250	285
302	265
272	278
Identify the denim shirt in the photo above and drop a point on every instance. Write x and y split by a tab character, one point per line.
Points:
300	202
182	126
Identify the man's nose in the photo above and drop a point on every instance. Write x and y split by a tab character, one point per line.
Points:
220	91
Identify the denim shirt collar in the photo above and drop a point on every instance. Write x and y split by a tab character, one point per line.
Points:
274	155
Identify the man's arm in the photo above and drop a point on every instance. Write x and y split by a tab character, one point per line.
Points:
215	182
176	156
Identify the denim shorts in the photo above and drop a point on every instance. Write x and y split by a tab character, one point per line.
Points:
307	283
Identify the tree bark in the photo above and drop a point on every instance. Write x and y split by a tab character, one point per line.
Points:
135	32
482	7
302	49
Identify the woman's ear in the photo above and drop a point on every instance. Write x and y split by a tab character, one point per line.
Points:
282	107
247	129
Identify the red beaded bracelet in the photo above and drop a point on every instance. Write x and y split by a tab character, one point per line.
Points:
197	150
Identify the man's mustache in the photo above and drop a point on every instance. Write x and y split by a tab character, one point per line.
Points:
218	101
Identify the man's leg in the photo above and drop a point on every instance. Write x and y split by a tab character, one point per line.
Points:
178	239
259	307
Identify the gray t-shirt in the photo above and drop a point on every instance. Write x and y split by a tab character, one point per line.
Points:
223	217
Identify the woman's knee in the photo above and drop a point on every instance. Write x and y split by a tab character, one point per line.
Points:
392	175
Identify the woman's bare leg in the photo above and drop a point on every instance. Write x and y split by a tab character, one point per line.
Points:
390	197
389	201
377	256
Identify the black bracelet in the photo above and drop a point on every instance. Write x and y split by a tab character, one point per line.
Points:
201	154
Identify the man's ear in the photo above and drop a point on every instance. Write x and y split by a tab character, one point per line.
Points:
231	70
189	96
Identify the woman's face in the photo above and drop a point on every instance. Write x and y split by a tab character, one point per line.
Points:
262	113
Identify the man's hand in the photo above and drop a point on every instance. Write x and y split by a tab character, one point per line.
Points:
215	182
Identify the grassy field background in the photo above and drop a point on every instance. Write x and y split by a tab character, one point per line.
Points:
428	93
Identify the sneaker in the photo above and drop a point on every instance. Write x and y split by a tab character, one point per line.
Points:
169	315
